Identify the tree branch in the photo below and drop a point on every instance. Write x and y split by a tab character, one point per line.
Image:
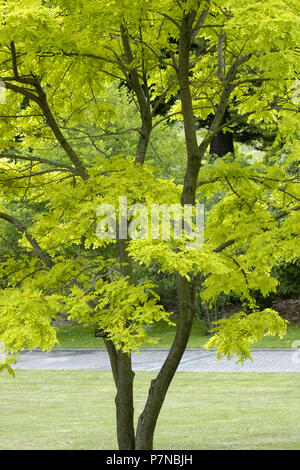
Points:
276	217
200	22
227	89
41	100
22	228
14	59
143	99
15	156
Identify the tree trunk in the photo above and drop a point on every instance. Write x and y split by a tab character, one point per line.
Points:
144	139
160	385
124	403
222	142
122	373
186	290
143	98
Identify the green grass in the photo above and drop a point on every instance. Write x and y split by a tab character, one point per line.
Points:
78	336
75	410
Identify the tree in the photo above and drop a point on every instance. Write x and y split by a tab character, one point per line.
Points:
61	58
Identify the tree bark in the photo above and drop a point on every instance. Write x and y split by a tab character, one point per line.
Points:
160	385
123	373
123	376
144	139
124	402
222	142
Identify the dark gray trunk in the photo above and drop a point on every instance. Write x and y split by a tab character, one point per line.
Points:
144	139
160	385
124	403
124	374
222	142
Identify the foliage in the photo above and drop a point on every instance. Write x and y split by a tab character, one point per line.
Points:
62	64
250	194
288	275
236	334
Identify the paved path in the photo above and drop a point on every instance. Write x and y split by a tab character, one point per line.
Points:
271	360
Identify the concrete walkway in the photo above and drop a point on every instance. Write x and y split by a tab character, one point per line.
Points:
194	360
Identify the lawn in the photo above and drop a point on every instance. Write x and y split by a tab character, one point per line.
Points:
78	336
75	410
